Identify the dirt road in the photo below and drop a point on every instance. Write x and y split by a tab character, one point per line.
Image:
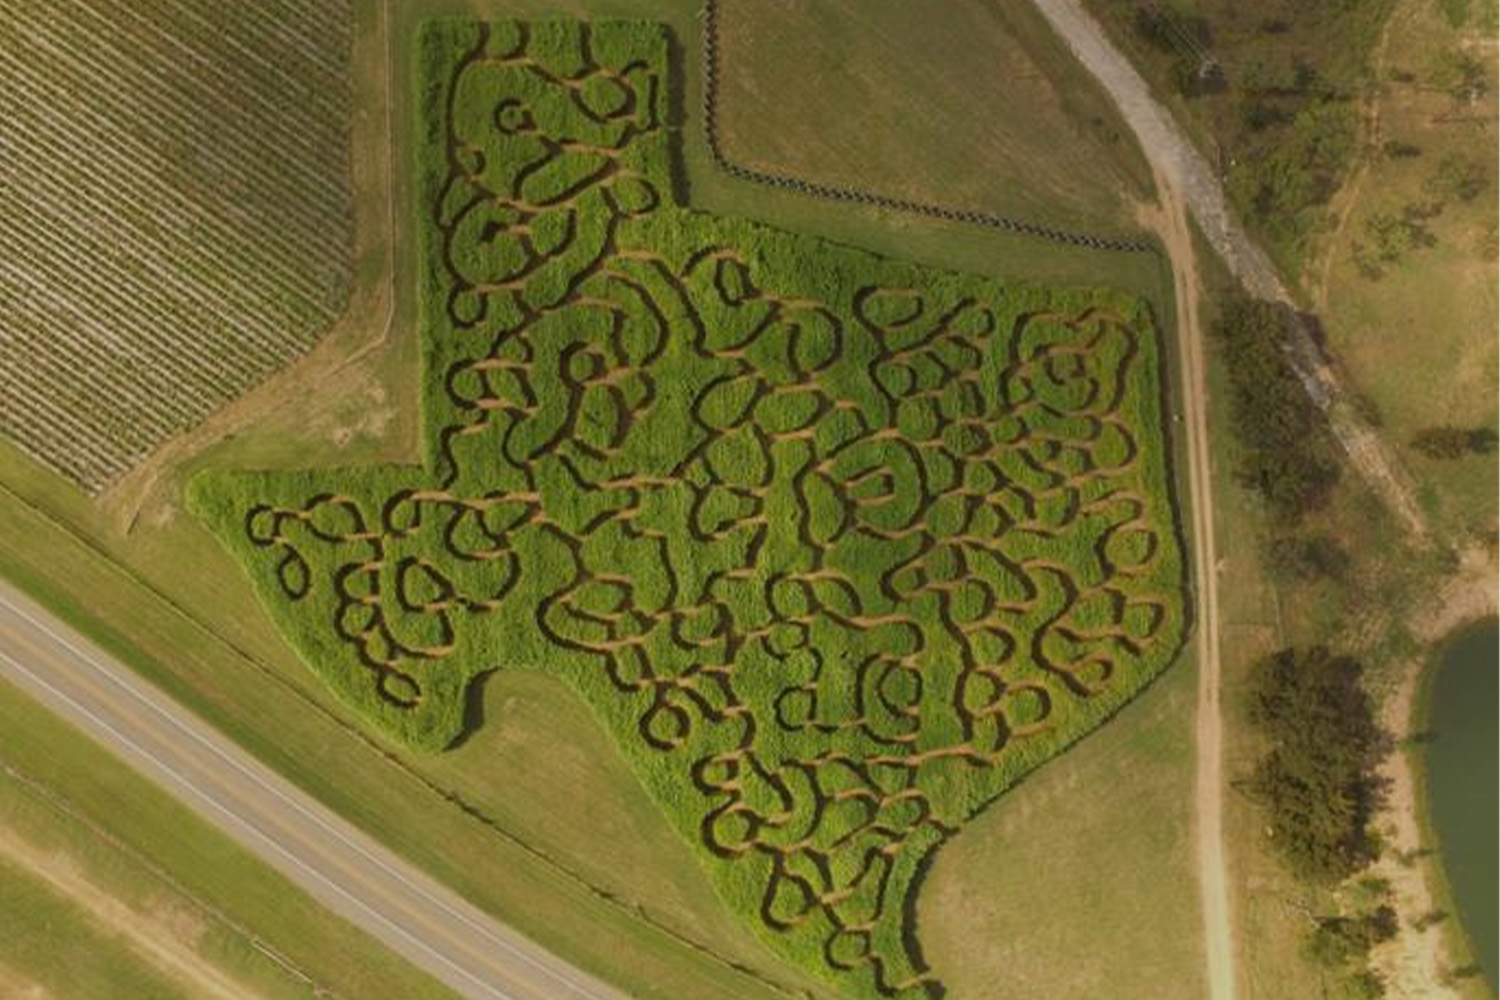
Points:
1171	224
343	868
1181	168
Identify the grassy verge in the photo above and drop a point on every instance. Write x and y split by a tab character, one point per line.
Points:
48	945
69	801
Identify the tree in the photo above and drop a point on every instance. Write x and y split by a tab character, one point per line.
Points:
1448	443
1318	779
1308	557
1457	177
1284	453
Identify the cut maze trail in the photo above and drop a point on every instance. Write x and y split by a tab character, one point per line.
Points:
836	547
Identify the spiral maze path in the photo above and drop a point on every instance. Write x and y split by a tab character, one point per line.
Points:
836	547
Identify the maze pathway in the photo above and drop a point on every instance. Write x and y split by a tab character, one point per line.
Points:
836	547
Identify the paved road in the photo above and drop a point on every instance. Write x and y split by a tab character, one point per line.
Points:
1179	166
345	869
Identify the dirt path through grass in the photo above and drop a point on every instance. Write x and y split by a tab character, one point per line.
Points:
1171	223
163	939
1347	198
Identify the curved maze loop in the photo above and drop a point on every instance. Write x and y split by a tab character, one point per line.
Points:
836	547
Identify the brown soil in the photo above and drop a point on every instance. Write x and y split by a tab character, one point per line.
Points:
1171	223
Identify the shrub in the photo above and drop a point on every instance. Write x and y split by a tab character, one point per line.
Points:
1284	452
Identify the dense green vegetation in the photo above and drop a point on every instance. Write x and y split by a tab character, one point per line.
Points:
1271	90
836	547
1285	453
1318	779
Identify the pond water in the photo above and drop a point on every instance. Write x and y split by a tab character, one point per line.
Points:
1463	782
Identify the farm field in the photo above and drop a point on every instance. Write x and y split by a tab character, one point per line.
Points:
981	109
832	428
175	214
148	579
110	889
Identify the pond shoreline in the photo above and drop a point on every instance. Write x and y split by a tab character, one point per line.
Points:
1414	963
1461	950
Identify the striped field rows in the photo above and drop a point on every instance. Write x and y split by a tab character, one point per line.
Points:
175	217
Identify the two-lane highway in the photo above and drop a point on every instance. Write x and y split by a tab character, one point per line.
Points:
342	867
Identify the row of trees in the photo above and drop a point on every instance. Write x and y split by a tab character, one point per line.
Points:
1285	453
1319	786
1318	779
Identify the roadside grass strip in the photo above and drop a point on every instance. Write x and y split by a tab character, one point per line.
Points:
836	547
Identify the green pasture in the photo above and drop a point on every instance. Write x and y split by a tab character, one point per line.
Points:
836	547
981	107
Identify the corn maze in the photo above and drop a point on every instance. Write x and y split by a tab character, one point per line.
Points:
175	216
836	547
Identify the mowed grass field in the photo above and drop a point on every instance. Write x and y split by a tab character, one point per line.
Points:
111	890
974	106
1418	337
482	816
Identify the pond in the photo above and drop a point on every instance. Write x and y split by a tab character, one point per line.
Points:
1463	782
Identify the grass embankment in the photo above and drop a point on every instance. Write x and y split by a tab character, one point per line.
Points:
1080	882
49	948
164	595
738	489
111	888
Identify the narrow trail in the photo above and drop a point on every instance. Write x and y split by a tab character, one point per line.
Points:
1348	196
1171	223
1181	168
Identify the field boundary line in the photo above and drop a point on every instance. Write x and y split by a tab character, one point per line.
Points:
860	196
111	640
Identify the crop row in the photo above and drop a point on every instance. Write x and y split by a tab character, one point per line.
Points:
175	213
